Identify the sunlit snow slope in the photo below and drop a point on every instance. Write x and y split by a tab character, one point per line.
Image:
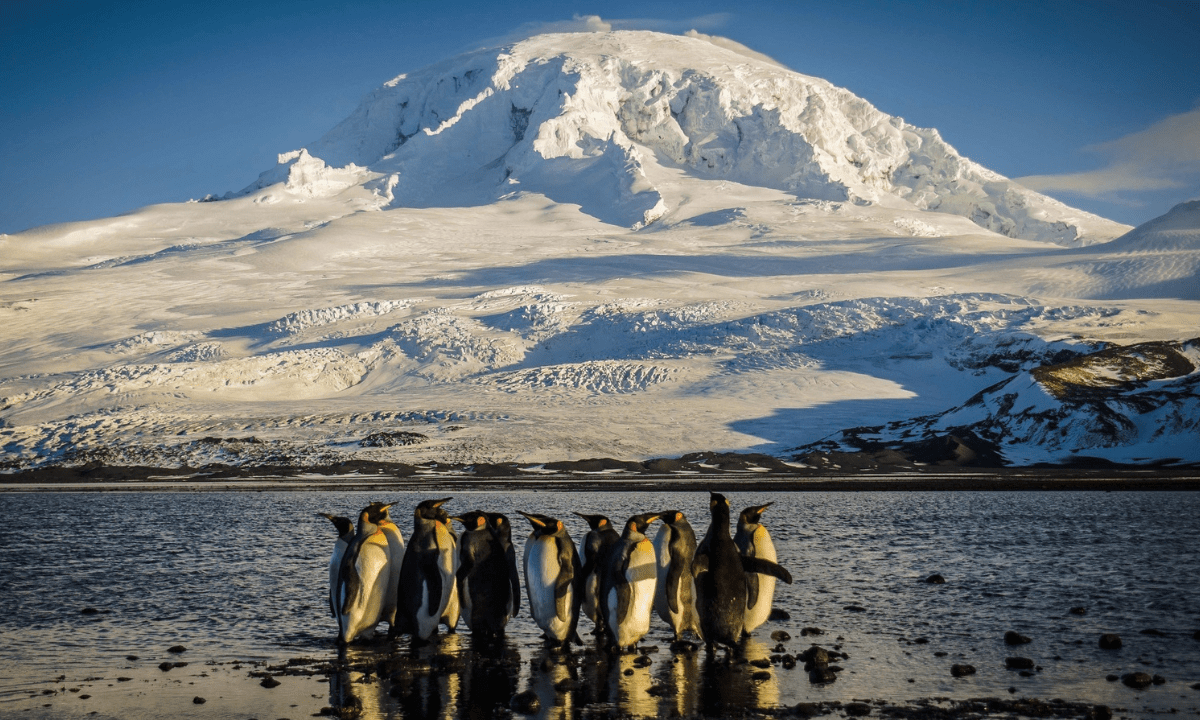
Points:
626	244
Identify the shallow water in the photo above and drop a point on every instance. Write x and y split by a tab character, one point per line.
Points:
241	577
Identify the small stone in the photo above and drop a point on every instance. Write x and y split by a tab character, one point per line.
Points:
857	709
1112	677
921	641
1196	686
780	636
778	615
628	672
1110	641
1137	680
198	700
1100	712
935	579
855	608
941	653
1159	680
89	611
788	662
124	679
1154	633
805	632
526	703
658	690
84	697
165	666
642	661
132	658
1018	663
760	676
178	664
1015	638
176	649
962	670
270	682
1079	610
1026	673
821	675
761	663
1012	691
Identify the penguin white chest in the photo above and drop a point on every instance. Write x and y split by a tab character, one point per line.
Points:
541	578
641	576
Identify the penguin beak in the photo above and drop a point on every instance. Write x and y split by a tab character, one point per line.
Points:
439	503
532	519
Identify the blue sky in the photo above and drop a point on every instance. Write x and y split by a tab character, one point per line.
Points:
110	106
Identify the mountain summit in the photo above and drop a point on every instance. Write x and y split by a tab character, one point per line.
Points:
595	119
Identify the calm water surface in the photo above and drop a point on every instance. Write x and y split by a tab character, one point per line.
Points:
240	577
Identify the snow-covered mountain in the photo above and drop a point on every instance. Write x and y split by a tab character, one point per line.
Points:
587	118
628	245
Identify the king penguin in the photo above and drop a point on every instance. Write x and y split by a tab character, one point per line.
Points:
600	538
428	575
345	531
395	559
362	578
720	572
627	587
675	593
502	530
484	587
753	540
553	579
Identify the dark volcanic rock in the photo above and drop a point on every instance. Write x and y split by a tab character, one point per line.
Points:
857	709
760	676
962	670
935	579
1110	641
1018	663
270	682
131	658
1016	638
1100	712
198	700
176	649
1137	680
814	656
778	615
805	632
165	666
1159	680
396	438
821	675
526	703
1079	610
780	636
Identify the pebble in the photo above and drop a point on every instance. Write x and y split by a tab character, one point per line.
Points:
780	636
198	700
962	670
760	676
165	666
1112	677
777	615
855	608
857	709
1136	680
526	703
1078	610
270	682
1100	712
132	658
1015	638
805	632
1018	663
176	649
89	611
935	579
1110	641
821	675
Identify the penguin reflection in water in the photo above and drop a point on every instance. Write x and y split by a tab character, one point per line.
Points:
427	578
592	553
753	540
675	594
553	579
488	587
721	579
628	583
363	577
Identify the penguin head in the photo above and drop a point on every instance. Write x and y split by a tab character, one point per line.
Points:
670	517
718	505
379	512
432	510
343	524
500	526
596	522
474	520
543	525
640	523
366	525
753	514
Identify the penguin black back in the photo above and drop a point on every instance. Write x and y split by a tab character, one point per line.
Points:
720	580
502	530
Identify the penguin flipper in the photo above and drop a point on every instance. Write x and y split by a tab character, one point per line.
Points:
699	564
568	562
673	576
766	567
432	579
514	579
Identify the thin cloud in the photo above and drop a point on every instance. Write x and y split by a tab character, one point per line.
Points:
1163	156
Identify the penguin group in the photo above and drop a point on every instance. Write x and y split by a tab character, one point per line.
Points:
719	589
